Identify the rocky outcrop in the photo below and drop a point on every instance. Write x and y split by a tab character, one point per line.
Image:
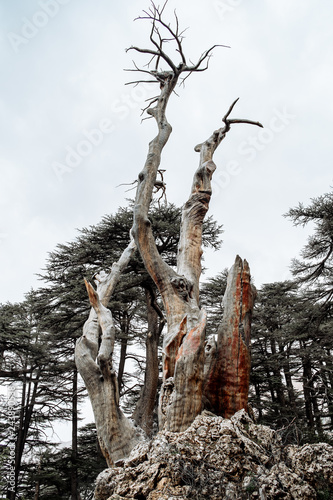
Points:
217	458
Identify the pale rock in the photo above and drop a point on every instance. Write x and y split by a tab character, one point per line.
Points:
217	458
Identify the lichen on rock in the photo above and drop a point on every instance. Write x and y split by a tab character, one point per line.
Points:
219	458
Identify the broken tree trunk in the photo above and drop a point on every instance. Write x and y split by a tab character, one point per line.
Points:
93	356
186	378
182	393
227	378
183	346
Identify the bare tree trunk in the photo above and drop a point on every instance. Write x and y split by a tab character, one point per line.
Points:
277	378
37	489
258	401
144	411
327	375
227	382
37	483
307	375
75	494
288	377
28	399
123	349
93	356
183	344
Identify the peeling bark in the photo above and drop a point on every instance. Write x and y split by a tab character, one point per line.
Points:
182	390
227	381
177	290
183	403
188	380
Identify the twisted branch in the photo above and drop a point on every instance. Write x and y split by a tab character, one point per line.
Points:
207	148
154	14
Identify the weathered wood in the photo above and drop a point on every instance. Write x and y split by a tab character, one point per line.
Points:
193	214
93	357
227	380
188	380
183	403
182	390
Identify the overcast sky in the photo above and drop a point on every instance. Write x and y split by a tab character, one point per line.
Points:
62	79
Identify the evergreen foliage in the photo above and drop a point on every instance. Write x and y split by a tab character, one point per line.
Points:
291	379
315	268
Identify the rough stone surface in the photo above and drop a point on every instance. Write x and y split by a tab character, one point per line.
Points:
217	458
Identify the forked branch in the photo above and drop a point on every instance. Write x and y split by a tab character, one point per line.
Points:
93	356
166	72
228	122
207	148
195	209
161	34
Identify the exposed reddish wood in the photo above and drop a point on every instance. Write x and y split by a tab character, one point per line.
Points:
227	382
193	339
184	368
183	357
181	397
185	303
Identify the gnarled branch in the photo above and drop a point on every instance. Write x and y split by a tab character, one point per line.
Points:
195	209
93	357
208	148
158	53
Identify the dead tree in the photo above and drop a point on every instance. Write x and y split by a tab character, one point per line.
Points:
191	380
